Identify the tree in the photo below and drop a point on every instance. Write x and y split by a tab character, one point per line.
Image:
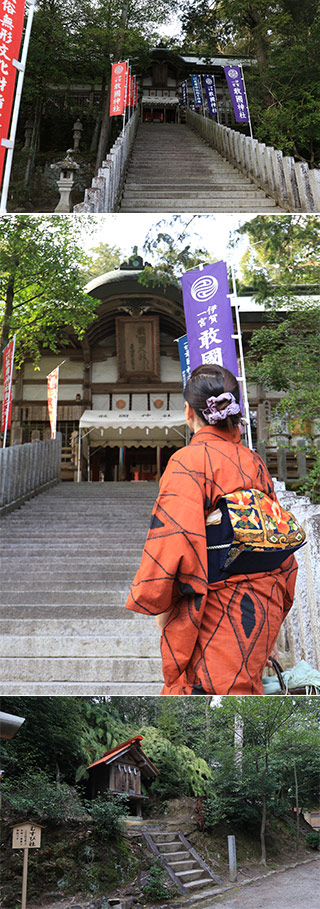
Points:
41	283
282	264
283	88
104	258
173	250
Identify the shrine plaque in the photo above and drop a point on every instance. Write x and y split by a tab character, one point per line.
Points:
26	836
138	347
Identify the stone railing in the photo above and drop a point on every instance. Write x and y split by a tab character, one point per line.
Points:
105	191
26	470
293	185
300	634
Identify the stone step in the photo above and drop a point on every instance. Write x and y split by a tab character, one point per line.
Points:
73	689
165	837
192	875
176	856
214	205
175	846
238	191
185	865
88	669
80	645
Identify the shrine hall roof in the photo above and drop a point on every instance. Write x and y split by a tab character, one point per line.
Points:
113	753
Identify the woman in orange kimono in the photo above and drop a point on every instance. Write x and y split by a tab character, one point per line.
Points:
216	637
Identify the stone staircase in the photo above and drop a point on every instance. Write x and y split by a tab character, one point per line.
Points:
67	558
185	867
174	170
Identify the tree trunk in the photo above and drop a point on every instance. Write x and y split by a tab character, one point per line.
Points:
106	122
263	860
297	803
34	142
7	314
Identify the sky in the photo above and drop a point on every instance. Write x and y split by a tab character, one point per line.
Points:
128	230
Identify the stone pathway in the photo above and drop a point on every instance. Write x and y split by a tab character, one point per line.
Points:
67	559
173	170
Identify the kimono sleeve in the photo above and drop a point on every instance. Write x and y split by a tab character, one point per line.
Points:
174	560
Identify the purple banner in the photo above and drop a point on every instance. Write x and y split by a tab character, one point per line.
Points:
197	90
211	94
208	315
184	93
237	92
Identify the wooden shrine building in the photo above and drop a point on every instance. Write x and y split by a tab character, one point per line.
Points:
123	770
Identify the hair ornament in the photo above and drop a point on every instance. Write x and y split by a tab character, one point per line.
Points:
213	414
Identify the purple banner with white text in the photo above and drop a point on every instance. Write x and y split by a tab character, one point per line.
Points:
209	85
237	92
208	316
197	90
184	93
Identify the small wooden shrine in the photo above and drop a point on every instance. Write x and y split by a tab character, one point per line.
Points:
121	771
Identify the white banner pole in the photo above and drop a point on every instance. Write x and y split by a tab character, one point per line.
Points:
79	454
246	97
215	91
9	396
125	97
54	436
238	337
9	143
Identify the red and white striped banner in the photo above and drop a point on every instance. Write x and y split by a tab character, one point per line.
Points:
11	25
52	389
7	359
118	88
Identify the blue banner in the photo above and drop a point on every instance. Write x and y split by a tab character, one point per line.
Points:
184	359
184	93
197	90
210	88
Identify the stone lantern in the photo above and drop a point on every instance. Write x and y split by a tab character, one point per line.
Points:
77	130
67	171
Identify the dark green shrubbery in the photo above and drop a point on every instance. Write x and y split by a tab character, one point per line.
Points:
156	886
108	815
40	799
313	839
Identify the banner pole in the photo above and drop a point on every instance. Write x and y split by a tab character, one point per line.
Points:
243	371
246	97
215	91
9	143
125	98
9	395
79	454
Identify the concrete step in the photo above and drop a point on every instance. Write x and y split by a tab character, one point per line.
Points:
235	192
88	669
185	865
73	689
214	205
81	645
175	846
172	857
197	884
192	875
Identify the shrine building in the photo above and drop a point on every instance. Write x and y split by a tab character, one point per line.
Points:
121	383
124	770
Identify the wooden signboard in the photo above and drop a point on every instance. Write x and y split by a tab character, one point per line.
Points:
26	836
138	347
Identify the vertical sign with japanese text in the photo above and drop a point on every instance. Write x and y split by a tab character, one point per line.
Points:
118	88
11	25
209	85
237	93
206	300
184	90
52	389
184	359
7	359
197	90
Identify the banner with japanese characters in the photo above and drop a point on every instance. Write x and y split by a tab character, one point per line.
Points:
135	92
7	361
207	307
197	90
210	89
52	391
237	93
11	25
130	91
184	359
184	90
118	88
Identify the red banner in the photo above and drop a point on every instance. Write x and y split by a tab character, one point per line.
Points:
52	388
7	358
11	25
135	93
118	88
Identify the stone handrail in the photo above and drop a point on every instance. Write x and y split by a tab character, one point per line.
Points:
294	185
105	191
26	470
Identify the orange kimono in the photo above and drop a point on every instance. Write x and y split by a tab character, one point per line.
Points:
218	637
